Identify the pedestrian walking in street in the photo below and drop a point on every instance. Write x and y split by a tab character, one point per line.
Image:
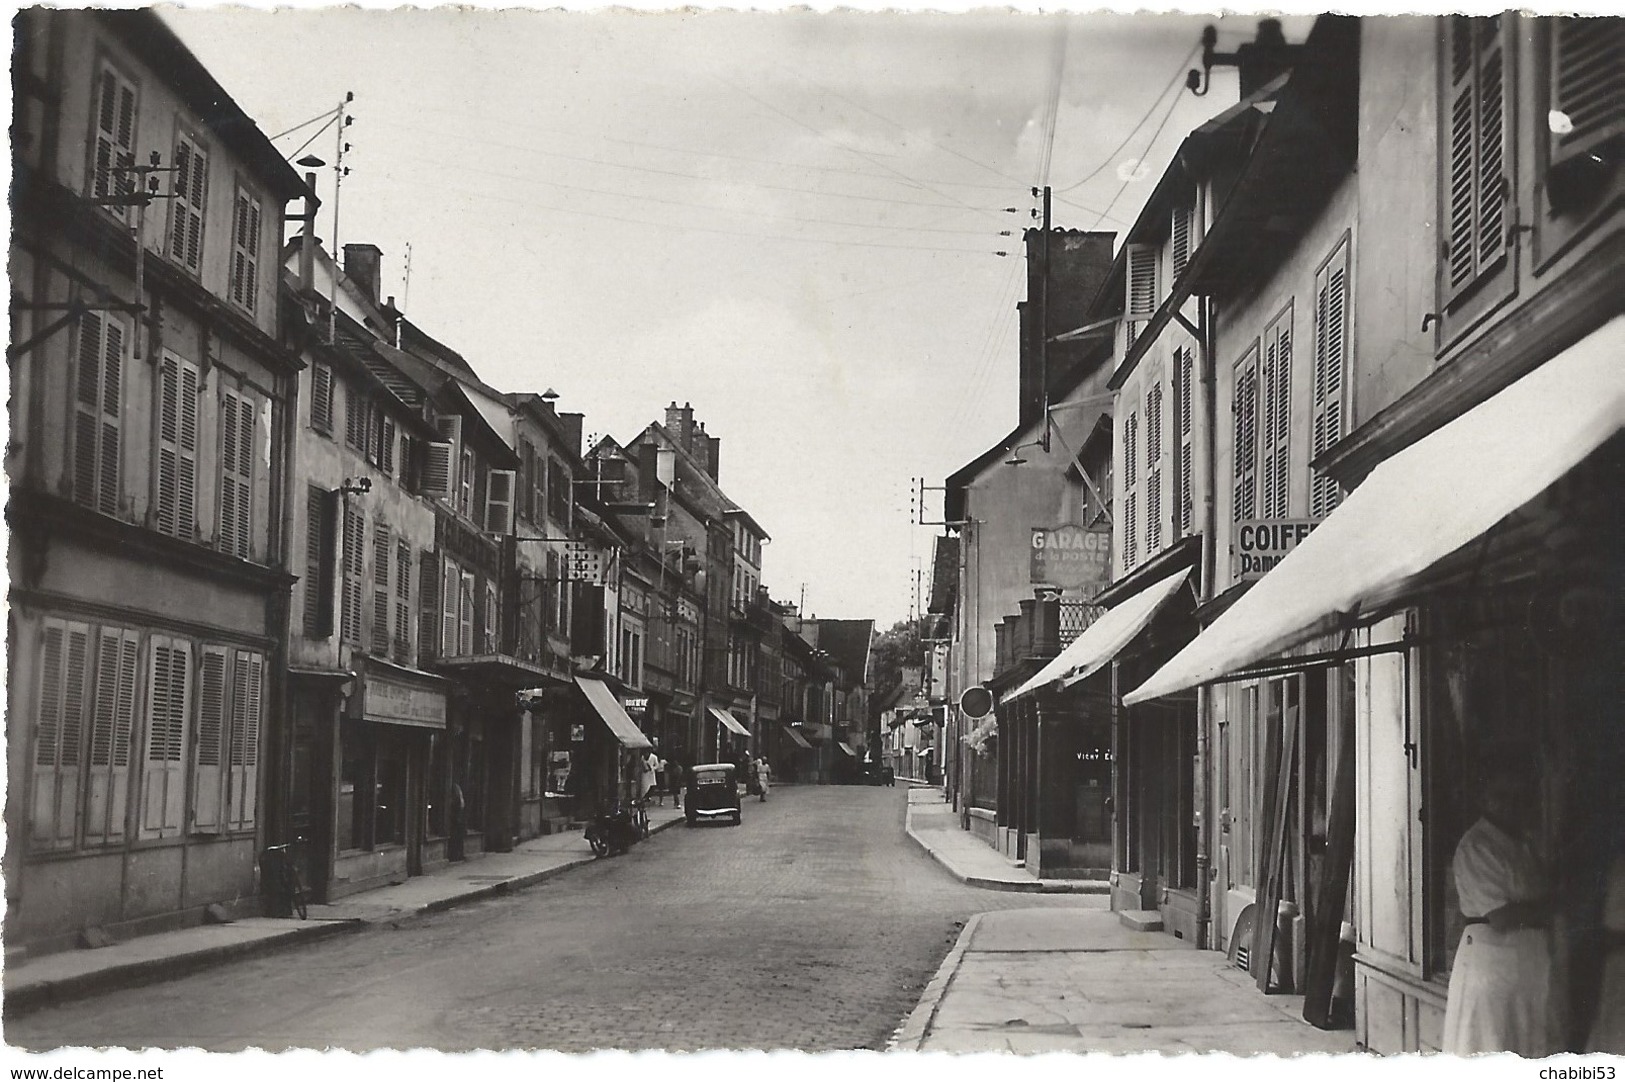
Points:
674	780
1501	994
648	771
762	777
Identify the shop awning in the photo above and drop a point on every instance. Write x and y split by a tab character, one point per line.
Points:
844	746
1413	510
1104	639
498	670
728	721
619	722
800	741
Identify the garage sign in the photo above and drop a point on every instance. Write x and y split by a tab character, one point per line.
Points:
1071	557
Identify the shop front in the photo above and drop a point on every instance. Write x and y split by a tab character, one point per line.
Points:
1468	593
390	724
604	761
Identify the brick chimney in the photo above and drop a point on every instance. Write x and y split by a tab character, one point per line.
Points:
709	448
362	264
680	423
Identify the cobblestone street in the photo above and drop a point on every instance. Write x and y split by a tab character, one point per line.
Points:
813	926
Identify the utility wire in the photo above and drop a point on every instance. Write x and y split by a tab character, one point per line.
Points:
304	123
1179	80
331	121
1121	188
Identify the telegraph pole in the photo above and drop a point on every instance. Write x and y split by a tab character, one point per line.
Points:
1043	327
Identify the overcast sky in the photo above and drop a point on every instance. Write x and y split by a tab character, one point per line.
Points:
787	219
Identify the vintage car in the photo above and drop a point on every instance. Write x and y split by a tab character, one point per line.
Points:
712	793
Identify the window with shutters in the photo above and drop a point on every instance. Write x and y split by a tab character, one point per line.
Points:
1244	413
386	444
353	555
1579	147
1276	419
490	628
1478	179
245	249
467	601
1153	469
321	398
169	703
357	419
526	508
175	476
429	640
1179	238
1131	477
402	651
210	747
1141	299
61	713
499	490
321	530
238	424
383	598
190	203
465	482
442	459
1330	376
247	707
113	138
112	728
558	492
1184	441
96	413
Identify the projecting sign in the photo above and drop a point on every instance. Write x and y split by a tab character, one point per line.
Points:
1072	557
583	562
1260	544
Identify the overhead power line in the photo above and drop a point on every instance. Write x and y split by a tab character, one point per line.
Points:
1178	81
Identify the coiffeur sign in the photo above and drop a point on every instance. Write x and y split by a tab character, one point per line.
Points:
1260	544
1072	557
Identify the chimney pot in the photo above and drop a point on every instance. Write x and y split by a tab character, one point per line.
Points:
361	264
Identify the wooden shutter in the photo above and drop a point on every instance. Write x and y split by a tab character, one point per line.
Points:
491	638
429	607
245	250
107	784
190	203
403	602
1587	65
208	767
59	729
386	446
1276	419
321	512
321	398
1131	476
355	418
1153	469
450	607
114	138
1479	170
1245	415
466	598
465	482
247	706
353	556
169	691
441	459
176	482
382	598
1184	443
97	404
1142	290
1330	365
236	475
499	490
1179	238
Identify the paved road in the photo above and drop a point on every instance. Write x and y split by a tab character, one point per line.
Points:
812	926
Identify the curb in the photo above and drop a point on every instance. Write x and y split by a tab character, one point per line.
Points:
32	997
911	1033
1029	886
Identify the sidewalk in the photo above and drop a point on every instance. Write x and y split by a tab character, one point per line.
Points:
1077	980
50	978
935	826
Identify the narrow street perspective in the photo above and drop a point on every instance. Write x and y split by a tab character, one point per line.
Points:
1009	531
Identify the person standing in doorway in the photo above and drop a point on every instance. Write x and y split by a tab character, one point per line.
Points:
1501	990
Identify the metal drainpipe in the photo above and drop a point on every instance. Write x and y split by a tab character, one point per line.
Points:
1204	694
282	609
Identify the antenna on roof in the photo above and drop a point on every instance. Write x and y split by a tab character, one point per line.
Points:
406	286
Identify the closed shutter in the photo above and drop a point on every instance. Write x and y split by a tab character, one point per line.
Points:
237	420
190	203
350	593
429	600
356	418
247	707
97	404
1330	361
114	151
466	599
1184	369
321	511
450	607
1153	469
491	638
107	784
499	489
1479	174
321	398
1245	415
245	250
1142	290
383	544
1276	419
386	448
178	383
1131	475
1179	239
208	770
441	459
59	729
403	603
169	701
465	483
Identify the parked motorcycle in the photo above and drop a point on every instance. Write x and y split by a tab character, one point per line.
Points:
614	831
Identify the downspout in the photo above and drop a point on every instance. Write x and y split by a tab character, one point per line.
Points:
1204	694
280	543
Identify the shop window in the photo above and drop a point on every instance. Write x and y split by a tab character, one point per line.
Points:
355	777
389	793
435	811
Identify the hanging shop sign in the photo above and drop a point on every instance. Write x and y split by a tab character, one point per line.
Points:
1260	544
584	562
638	706
1071	557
